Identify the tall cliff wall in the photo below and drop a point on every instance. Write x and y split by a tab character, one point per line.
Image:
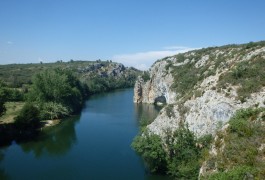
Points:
157	88
204	87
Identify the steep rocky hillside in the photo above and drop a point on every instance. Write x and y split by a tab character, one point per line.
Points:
205	87
217	92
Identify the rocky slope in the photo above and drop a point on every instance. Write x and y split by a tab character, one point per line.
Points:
204	88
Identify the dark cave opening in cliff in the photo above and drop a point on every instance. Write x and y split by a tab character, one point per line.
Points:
161	100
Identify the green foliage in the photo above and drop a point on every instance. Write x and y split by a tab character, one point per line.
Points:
28	117
240	123
106	78
184	78
144	122
17	75
183	154
149	146
2	107
249	75
205	141
180	57
14	95
52	110
238	150
2	98
170	111
178	155
97	84
146	76
237	173
58	86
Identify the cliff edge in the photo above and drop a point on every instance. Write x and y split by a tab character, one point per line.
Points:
205	87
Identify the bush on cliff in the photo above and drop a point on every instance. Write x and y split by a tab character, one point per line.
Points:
176	155
150	147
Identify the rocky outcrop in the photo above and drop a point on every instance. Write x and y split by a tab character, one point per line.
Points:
157	89
204	87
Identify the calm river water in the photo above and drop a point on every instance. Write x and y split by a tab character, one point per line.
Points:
94	145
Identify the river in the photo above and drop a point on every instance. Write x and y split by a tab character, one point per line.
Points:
94	145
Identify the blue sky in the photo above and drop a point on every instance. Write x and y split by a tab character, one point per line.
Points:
134	32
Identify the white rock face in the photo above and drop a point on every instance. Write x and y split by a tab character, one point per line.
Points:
157	86
206	113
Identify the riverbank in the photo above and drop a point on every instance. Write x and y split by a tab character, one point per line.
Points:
94	145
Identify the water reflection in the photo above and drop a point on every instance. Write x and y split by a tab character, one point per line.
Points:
104	132
146	113
3	174
54	141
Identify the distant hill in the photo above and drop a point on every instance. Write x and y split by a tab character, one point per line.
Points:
98	75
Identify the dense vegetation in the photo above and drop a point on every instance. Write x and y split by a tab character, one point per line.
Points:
56	90
2	99
97	75
240	148
8	95
146	76
178	154
237	71
247	75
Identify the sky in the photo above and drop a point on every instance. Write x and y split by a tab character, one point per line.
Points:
133	32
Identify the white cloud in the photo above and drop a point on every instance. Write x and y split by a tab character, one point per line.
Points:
175	48
144	60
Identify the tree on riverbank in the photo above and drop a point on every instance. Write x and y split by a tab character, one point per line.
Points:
57	93
2	99
28	117
176	155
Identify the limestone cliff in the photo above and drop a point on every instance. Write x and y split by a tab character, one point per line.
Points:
204	87
157	88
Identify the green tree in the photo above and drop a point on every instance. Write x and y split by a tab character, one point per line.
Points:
57	86
149	146
183	154
177	155
52	110
2	98
28	117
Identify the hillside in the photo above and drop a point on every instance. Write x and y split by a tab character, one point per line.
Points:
89	77
96	74
204	89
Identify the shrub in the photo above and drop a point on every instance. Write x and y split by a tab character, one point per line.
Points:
183	155
2	107
237	173
146	76
52	110
177	155
239	122
2	98
240	157
28	117
249	75
149	146
170	111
